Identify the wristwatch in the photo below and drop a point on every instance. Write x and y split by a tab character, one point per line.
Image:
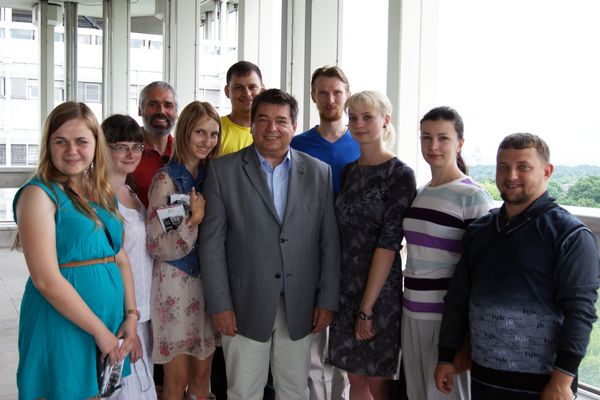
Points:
136	312
364	317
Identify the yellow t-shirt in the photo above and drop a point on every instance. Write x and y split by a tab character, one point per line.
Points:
234	136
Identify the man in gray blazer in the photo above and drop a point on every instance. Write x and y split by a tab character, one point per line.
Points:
269	253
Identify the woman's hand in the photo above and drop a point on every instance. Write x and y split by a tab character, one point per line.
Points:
136	350
197	204
363	329
108	345
128	331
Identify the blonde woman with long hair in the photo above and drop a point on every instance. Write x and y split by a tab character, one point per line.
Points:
79	298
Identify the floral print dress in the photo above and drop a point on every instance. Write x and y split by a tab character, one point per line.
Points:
180	323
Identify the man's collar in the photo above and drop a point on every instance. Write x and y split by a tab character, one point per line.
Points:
264	161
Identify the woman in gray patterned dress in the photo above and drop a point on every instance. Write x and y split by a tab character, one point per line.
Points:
377	189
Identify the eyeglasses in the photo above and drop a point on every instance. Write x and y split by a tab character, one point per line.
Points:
124	148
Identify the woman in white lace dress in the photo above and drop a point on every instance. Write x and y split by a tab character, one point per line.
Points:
126	144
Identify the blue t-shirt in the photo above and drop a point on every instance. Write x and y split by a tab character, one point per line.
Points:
336	154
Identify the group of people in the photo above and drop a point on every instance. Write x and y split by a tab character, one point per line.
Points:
239	250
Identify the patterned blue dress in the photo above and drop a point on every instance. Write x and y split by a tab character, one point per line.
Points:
57	359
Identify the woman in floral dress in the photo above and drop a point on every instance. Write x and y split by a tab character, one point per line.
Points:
184	339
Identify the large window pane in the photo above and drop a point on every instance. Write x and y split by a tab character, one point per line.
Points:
18	154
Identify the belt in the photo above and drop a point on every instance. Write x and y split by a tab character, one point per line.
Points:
88	262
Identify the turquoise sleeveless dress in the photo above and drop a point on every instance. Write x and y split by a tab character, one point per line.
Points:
57	359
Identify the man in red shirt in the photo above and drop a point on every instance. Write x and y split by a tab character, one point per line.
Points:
158	109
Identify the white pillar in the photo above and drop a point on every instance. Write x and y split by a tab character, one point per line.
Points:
181	49
311	38
115	62
47	17
70	50
259	37
402	68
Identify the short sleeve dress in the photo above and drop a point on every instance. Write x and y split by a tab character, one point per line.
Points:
370	208
57	359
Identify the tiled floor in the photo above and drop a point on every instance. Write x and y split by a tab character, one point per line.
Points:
13	275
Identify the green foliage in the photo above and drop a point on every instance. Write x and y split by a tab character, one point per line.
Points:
573	186
490	185
589	370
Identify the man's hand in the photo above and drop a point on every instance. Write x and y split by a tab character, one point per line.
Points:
462	359
559	387
321	319
225	323
444	377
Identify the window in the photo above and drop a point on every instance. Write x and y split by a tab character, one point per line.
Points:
84	39
25	34
18	154
2	154
33	154
137	43
155	45
89	92
212	96
59	37
32	88
59	91
21	16
2	33
2	88
18	88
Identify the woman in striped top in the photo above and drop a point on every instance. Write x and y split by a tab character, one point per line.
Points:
434	226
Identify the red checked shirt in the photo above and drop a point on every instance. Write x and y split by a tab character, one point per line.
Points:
151	162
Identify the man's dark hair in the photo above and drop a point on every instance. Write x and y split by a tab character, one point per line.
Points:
520	141
275	96
242	68
449	114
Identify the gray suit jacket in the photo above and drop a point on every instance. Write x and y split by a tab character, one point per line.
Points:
244	249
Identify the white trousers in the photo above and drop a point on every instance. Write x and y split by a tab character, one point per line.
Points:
340	386
247	363
420	356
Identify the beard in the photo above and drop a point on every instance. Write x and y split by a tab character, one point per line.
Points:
158	131
520	198
331	116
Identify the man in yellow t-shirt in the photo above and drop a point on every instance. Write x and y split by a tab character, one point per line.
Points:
244	82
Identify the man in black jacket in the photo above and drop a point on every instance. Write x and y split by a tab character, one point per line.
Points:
525	287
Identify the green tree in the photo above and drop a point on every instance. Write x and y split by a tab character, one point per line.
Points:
585	192
555	189
490	185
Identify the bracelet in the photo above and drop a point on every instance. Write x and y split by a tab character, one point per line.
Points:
364	316
136	312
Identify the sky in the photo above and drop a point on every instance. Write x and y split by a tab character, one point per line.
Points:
506	65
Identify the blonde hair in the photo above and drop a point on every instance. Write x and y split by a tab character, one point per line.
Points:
97	175
378	102
186	123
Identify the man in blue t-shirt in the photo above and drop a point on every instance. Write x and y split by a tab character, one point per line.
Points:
330	142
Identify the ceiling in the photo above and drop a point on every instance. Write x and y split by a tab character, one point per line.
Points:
91	8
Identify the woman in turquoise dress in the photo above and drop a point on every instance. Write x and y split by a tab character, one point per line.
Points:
79	299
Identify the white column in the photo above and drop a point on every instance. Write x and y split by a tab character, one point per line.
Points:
402	75
259	37
47	17
311	38
70	51
115	47
181	49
